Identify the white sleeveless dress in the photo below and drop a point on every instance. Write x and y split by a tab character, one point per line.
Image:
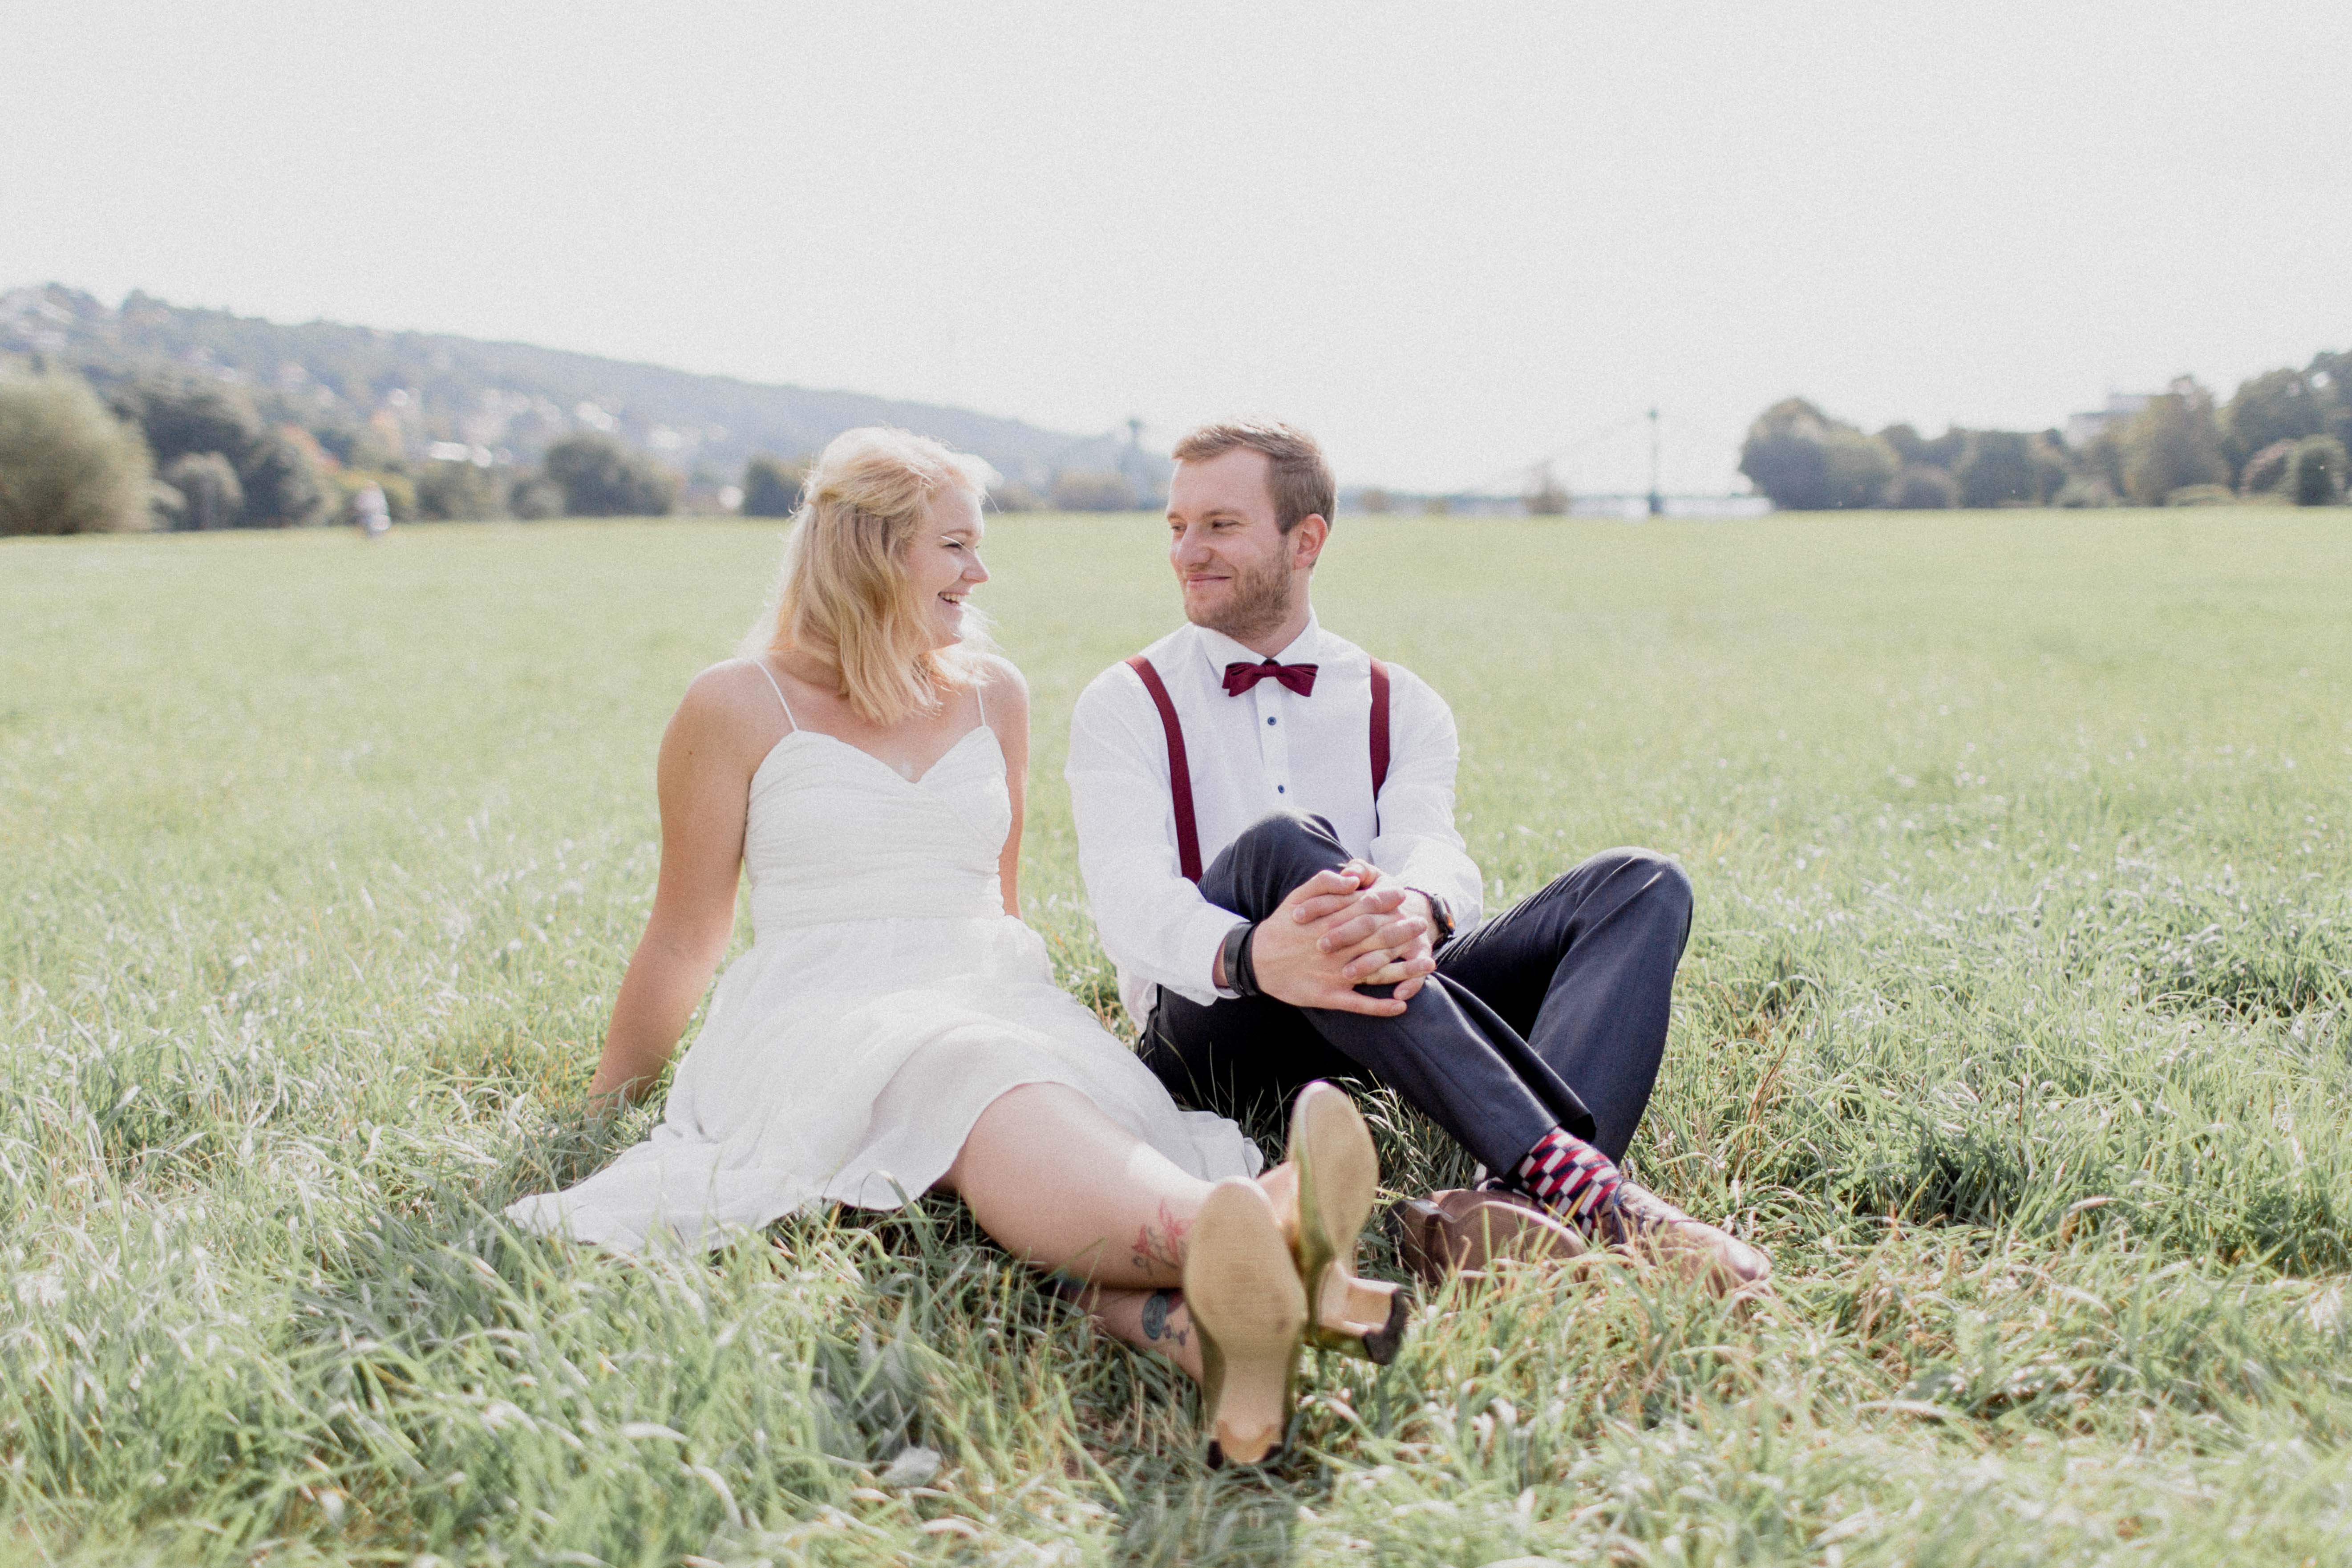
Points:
886	1000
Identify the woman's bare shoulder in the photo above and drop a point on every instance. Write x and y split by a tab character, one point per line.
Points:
1001	679
733	703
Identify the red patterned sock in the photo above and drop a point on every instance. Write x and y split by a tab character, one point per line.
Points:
1572	1178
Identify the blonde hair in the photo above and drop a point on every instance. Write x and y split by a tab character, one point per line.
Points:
843	594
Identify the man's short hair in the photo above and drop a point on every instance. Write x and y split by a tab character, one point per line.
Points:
1297	474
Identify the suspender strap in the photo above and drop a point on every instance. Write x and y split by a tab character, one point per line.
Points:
1180	772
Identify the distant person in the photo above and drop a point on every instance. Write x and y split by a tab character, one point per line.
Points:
1266	828
895	1028
372	512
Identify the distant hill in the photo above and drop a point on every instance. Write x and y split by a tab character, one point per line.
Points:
511	400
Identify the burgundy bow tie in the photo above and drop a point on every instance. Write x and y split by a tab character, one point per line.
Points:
1240	677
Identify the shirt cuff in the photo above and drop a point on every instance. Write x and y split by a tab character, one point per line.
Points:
1203	934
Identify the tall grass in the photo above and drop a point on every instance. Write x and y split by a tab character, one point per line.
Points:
2016	1023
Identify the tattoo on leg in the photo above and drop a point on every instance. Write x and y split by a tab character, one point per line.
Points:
1156	1308
1163	1244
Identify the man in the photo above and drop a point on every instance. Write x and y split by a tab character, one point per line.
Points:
1265	826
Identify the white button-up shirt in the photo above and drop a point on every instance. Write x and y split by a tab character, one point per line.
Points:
1266	750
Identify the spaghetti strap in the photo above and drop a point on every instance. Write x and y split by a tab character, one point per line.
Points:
761	665
980	693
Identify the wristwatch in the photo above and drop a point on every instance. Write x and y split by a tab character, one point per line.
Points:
1441	916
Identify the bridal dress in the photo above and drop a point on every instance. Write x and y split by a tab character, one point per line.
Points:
886	1000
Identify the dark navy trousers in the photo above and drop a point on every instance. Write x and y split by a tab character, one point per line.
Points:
1550	1014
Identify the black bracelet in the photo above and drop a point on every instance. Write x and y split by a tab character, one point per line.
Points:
1241	972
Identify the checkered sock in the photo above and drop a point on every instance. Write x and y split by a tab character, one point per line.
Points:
1572	1178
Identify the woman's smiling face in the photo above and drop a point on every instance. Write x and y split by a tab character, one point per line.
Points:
943	562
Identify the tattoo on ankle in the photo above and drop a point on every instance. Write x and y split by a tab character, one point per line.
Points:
1156	1308
1162	1244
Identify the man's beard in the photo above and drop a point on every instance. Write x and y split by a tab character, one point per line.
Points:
1260	599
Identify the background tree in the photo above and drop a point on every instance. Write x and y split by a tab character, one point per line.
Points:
1860	468
282	485
1080	490
205	491
2175	442
772	486
1802	461
2315	478
459	492
180	415
1786	456
66	465
2276	406
1997	470
2266	470
2331	374
1923	487
1375	500
601	477
1545	496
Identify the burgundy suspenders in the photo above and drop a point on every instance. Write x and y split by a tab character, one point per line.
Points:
1180	772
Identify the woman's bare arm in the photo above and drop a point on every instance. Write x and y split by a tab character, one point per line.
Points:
704	780
1008	712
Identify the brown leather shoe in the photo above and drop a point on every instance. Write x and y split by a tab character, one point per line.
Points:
1651	1227
1462	1231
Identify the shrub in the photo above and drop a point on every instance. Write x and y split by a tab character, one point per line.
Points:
2316	477
459	492
2202	495
601	477
534	497
2266	469
205	491
1374	501
1923	489
772	486
399	494
66	466
1079	490
1014	496
2085	490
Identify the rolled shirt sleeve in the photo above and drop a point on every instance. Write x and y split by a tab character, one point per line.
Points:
1153	921
1418	844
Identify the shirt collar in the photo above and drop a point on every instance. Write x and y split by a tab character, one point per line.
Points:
1222	650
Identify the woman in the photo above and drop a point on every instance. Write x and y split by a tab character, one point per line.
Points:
895	1026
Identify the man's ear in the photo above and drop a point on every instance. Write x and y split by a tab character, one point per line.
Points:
1306	539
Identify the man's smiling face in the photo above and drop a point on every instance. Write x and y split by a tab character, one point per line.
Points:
1239	570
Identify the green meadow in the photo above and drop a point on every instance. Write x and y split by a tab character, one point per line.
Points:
2017	1024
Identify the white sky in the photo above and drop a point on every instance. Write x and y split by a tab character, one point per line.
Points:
1448	238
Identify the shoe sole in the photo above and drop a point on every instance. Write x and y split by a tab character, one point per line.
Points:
1338	1180
1242	1289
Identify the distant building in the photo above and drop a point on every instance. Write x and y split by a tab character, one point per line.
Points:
2081	430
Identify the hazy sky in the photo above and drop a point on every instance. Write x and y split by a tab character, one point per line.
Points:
1451	238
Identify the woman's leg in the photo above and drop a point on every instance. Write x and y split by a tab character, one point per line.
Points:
1059	1185
1152	1320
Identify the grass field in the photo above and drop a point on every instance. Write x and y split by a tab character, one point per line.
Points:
2017	1023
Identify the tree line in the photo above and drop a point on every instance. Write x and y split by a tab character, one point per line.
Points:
168	450
2283	435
